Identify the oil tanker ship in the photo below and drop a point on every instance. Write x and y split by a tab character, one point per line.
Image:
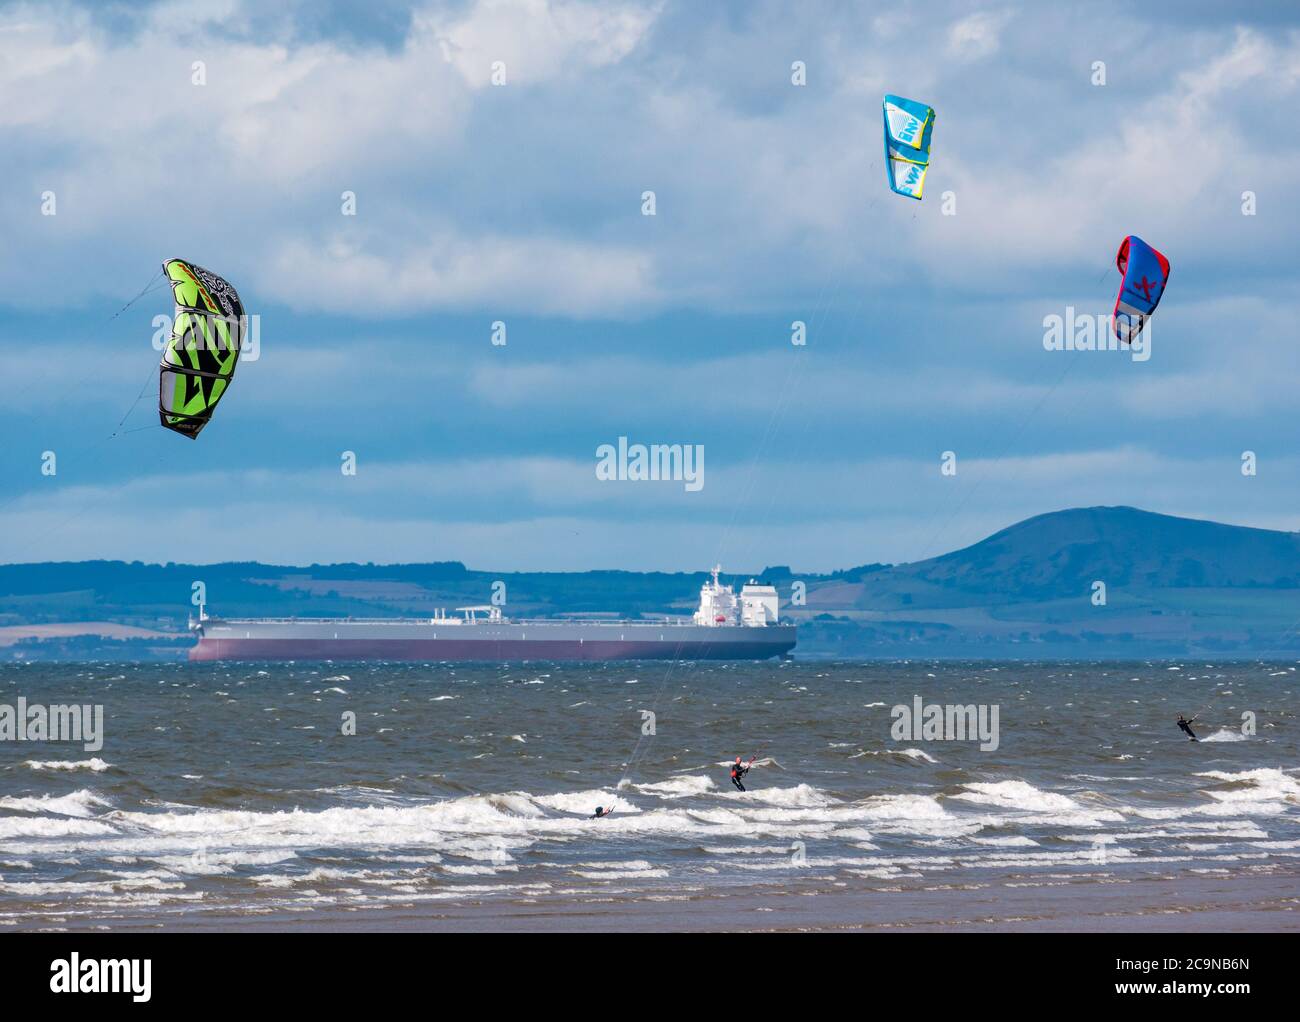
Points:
727	626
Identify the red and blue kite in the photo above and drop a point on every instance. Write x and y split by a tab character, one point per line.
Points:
1145	273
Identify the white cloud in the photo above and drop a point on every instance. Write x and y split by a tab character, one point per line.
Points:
540	276
548	513
537	39
1171	166
522	203
257	158
977	35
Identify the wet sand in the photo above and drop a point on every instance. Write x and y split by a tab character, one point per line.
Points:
1226	904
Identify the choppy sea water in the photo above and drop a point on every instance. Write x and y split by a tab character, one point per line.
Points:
231	789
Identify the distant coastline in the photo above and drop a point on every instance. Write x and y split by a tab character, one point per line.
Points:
1091	583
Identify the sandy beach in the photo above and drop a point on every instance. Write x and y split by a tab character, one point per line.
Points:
1227	904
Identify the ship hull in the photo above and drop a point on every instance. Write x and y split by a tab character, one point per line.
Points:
487	643
495	652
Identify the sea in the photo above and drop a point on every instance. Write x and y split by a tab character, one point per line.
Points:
245	791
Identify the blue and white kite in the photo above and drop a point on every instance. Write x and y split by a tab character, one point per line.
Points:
908	127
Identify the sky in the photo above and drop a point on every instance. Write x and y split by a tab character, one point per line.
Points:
232	133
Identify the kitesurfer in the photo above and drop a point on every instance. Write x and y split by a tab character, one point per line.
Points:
1186	726
601	811
738	771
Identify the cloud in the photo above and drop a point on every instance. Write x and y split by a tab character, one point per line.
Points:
1168	165
537	40
758	205
546	513
543	276
977	35
522	203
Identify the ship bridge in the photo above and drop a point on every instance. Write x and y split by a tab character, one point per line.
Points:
471	614
756	607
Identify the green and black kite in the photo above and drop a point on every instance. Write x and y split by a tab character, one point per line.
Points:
198	362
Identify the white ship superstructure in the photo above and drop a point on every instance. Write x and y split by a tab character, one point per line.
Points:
757	606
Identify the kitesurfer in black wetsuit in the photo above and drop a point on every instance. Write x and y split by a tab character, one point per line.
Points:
737	772
1186	726
601	811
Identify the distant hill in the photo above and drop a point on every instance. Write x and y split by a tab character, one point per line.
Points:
1174	586
1061	553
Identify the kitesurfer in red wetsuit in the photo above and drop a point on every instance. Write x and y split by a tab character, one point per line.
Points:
737	772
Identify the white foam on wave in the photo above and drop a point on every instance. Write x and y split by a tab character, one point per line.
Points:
516	803
449	825
1225	735
479	870
1024	860
1257	807
1047	808
481	832
1266	784
274	880
34	888
619	864
801	796
812	861
883	873
905	807
909	753
680	786
1220	828
720	818
623	874
1241	829
79	803
46	828
1016	795
853	833
95	763
205	863
584	802
916	814
747	849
